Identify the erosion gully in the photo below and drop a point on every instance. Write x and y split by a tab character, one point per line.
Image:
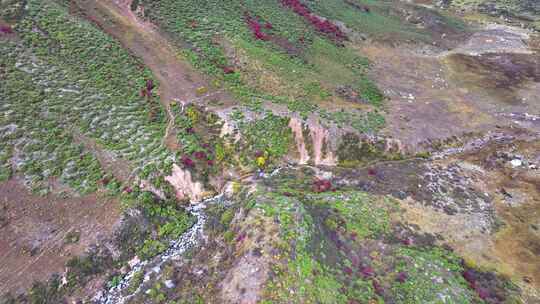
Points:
189	239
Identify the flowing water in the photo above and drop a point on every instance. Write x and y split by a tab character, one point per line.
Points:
117	294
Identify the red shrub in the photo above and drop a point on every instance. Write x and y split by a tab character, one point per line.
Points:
228	70
149	85
200	155
407	242
378	288
104	181
255	27
210	163
355	261
324	26
188	162
322	185
241	237
469	276
347	270
367	271
6	29
483	293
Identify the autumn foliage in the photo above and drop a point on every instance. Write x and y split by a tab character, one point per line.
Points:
256	27
6	29
322	25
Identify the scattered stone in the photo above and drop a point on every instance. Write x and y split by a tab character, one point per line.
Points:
134	262
516	163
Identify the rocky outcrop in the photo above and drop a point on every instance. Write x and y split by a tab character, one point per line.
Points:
322	153
297	128
185	187
313	145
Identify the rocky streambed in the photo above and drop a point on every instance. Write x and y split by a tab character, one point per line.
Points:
151	269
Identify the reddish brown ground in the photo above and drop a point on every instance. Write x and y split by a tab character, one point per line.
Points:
33	244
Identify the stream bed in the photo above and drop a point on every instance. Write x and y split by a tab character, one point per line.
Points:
117	294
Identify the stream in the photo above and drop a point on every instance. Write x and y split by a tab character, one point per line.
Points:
190	238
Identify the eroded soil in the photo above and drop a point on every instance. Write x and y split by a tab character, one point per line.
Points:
41	233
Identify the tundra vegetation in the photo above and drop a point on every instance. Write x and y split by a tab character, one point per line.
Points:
83	114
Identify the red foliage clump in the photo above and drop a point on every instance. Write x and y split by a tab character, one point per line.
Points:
322	185
402	277
407	242
472	279
188	162
469	276
378	288
6	29
149	85
347	270
322	25
367	271
105	181
146	91
228	70
255	27
355	261
241	237
200	155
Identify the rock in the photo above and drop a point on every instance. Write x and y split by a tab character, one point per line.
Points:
185	187
516	163
400	194
169	284
133	262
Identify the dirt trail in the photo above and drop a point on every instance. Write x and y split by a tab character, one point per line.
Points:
177	80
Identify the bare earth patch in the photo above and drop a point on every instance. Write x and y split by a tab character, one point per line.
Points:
436	95
40	234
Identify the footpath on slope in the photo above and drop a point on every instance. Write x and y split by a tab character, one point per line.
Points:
177	80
